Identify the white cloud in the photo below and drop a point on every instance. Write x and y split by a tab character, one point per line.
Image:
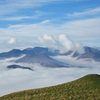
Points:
87	12
83	28
45	21
12	41
15	5
47	37
78	30
16	18
48	40
66	42
19	79
60	42
36	15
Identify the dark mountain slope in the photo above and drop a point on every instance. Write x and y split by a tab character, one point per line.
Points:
18	66
43	60
10	54
91	53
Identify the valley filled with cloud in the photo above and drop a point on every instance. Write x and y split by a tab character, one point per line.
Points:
47	42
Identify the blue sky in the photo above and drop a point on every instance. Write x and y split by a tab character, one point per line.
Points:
22	22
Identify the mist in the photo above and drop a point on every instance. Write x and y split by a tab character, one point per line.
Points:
60	42
18	79
12	80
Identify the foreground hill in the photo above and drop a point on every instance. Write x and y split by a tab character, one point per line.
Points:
85	88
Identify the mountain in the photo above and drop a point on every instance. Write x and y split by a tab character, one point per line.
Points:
85	88
18	66
44	56
29	51
37	55
43	60
10	54
90	53
40	51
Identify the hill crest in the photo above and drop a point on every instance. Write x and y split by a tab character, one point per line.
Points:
85	88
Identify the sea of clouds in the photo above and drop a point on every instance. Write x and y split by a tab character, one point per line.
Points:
22	79
12	80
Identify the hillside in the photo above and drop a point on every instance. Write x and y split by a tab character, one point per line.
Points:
85	88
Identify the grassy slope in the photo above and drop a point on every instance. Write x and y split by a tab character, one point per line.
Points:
86	88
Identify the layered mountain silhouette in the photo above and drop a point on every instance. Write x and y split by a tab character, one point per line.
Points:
28	51
10	54
89	53
43	56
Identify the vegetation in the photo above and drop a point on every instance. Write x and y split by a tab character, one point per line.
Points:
86	88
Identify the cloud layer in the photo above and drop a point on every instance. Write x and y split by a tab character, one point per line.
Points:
88	12
84	31
19	79
60	42
12	41
14	6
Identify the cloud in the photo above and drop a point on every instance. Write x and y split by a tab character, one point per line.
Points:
17	18
45	21
83	31
83	28
66	42
14	6
36	15
46	37
47	40
88	12
12	41
60	42
19	79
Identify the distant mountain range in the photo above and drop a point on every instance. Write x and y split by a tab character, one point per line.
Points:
29	51
43	56
38	55
89	53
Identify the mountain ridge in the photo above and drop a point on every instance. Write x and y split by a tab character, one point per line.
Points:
44	56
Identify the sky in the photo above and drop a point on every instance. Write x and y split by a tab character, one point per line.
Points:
27	23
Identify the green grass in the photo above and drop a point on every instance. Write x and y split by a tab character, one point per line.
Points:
85	88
